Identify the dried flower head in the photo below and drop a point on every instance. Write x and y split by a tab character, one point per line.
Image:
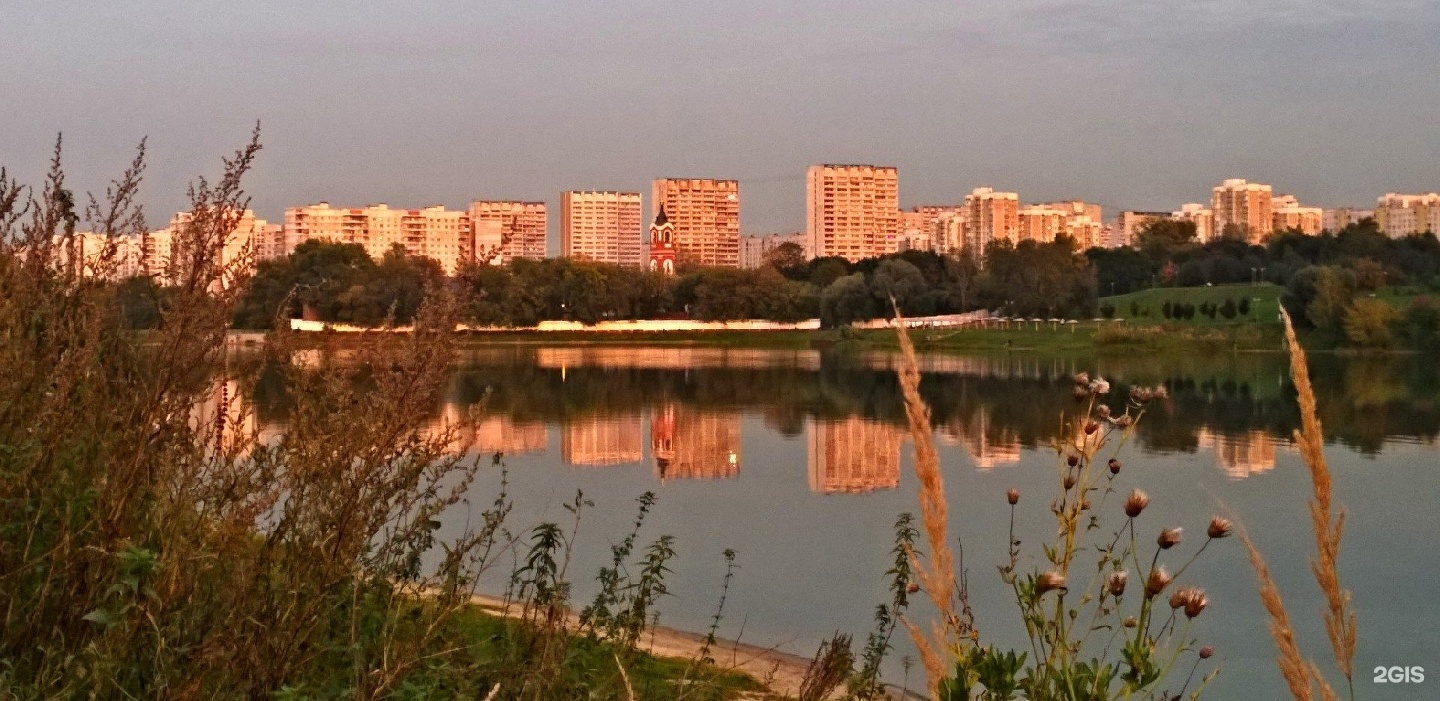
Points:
1179	597
1160	392
1099	386
1082	379
1219	528
1091	428
1141	395
1115	583
1114	466
912	588
1072	460
1012	495
1081	392
1084	504
1207	651
1195	603
1136	502
1124	421
1156	583
1068	482
1169	538
1130	622
1049	581
1103	411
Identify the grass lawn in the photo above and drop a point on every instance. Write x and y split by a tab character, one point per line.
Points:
1146	306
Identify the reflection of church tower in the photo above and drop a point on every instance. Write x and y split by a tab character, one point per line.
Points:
662	243
691	444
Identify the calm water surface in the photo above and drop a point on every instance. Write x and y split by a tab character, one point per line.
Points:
799	460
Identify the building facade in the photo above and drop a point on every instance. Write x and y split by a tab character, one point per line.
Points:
753	249
1201	216
433	232
507	229
851	211
1243	208
686	443
1288	214
1333	220
1128	223
706	216
601	225
1402	215
990	215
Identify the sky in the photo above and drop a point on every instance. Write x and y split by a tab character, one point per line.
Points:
1134	104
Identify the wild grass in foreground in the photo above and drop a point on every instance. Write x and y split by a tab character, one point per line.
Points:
153	545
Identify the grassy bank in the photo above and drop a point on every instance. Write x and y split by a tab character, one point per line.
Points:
1148	305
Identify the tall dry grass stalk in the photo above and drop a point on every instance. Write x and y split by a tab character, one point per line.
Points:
937	576
1328	527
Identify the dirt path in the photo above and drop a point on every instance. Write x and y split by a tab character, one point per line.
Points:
780	671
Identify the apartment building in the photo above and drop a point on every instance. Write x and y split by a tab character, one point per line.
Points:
434	232
1333	220
706	216
924	227
851	211
1288	214
1245	207
602	225
990	215
1201	216
1402	215
1128	223
507	229
1039	223
754	248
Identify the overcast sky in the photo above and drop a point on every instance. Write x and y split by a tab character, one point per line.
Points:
1136	104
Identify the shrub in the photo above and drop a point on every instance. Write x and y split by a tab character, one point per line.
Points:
1371	323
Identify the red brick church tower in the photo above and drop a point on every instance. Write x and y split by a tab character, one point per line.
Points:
662	244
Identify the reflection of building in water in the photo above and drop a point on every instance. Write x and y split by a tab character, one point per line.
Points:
501	434
602	440
690	444
221	420
988	445
1241	455
853	455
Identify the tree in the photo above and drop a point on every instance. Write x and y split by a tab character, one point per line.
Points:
1228	309
1370	323
846	300
1334	289
788	258
898	280
1422	324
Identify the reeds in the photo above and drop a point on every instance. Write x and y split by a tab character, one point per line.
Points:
1328	527
937	577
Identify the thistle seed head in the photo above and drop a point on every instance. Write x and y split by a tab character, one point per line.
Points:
1156	583
1219	528
1169	538
1012	495
1115	583
1136	503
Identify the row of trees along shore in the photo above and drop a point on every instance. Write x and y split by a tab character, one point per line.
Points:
340	283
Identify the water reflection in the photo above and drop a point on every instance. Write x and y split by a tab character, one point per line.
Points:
847	406
853	455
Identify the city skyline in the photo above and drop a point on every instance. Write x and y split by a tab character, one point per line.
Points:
756	95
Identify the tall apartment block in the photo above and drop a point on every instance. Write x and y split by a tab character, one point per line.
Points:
601	225
433	232
851	211
509	229
1201	216
1246	205
706	215
1402	215
990	215
1288	214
